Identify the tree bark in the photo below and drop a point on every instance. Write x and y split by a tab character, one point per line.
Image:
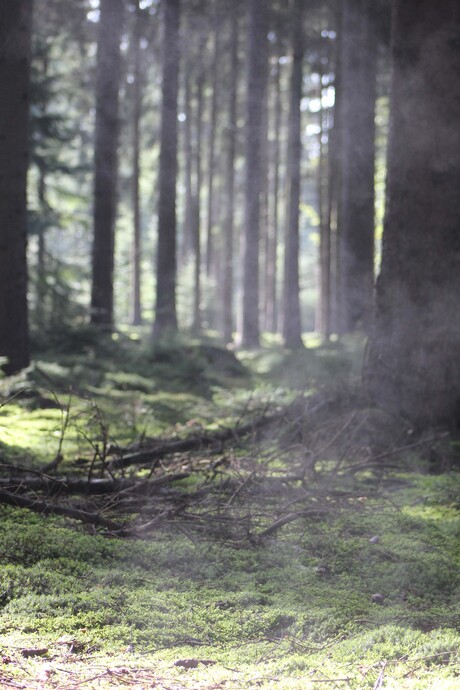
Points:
324	321
229	229
256	92
136	305
187	234
357	156
413	364
15	41
215	80
292	331
165	316
106	161
196	207
271	289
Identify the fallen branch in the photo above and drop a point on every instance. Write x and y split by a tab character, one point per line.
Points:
207	440
291	517
50	509
95	487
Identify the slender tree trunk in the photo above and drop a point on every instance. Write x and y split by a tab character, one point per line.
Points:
292	331
413	364
324	325
41	285
256	91
212	149
271	297
356	208
165	315
106	161
40	313
187	235
15	40
136	305
264	217
197	286
229	232
334	170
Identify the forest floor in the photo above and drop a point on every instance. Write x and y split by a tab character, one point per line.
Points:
180	519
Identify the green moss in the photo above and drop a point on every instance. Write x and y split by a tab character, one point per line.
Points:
287	611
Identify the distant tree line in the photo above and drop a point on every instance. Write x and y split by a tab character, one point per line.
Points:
212	166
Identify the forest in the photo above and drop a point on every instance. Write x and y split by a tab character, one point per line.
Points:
229	344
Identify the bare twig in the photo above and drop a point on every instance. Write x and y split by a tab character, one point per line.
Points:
379	682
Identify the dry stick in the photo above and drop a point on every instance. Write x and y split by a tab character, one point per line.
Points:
379	682
193	442
48	509
291	517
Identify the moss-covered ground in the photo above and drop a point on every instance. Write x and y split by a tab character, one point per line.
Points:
364	593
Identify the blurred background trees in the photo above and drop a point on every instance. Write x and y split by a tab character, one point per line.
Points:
257	186
210	167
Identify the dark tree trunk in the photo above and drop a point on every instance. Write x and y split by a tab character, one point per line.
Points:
292	331
228	272
136	305
165	317
15	35
256	91
356	206
413	364
106	161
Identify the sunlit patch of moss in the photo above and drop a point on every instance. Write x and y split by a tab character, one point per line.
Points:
27	435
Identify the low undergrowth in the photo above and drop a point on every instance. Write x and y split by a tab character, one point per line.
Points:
320	553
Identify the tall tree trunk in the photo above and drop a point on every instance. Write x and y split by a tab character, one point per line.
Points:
44	209
40	312
136	305
356	207
334	168
413	364
196	209
324	320
292	331
187	234
165	315
271	289
15	40
256	92
232	125
212	148
106	160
